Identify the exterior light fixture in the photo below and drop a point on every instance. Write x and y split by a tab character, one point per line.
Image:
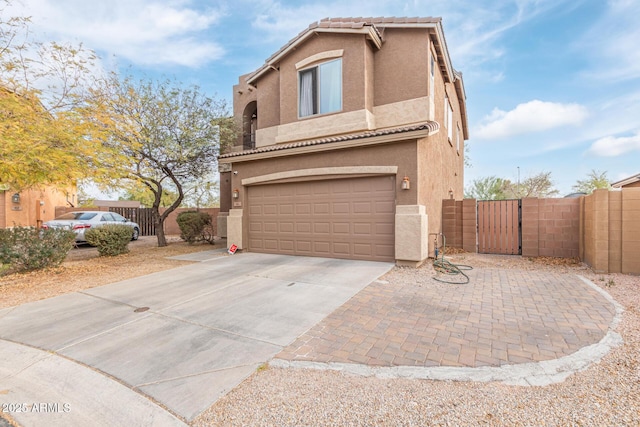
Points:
236	193
15	198
406	184
451	193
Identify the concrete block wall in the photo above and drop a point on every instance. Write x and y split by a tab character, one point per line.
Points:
530	227
551	227
610	228
452	222
630	225
459	223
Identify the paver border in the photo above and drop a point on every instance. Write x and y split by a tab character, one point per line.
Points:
525	374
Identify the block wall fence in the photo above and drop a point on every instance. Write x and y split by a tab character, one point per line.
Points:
610	231
170	224
602	229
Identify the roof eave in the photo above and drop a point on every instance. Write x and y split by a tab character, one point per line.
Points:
626	181
369	31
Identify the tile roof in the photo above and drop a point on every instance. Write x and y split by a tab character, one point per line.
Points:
632	179
356	23
429	126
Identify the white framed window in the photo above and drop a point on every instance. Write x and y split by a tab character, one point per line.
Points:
320	89
432	72
448	117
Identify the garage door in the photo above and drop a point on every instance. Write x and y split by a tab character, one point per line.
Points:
342	218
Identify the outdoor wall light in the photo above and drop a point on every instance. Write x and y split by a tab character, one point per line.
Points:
15	198
406	184
451	193
236	193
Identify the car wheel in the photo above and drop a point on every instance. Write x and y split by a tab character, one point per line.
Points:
136	233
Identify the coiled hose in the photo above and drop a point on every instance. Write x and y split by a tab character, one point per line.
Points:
448	268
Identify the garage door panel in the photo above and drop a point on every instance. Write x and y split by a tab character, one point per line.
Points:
341	228
303	208
286	209
322	228
341	187
271	209
387	229
362	249
321	208
340	208
385	250
270	244
304	246
303	227
385	207
287	245
286	227
341	248
322	247
364	229
270	227
345	218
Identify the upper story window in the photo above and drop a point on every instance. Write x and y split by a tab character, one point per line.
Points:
432	72
320	88
448	118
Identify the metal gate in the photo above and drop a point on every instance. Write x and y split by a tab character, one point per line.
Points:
143	216
499	227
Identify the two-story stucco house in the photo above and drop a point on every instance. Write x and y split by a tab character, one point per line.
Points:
353	133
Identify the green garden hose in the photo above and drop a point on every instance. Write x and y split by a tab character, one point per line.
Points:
448	268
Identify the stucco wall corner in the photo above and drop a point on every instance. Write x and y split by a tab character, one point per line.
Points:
234	228
411	227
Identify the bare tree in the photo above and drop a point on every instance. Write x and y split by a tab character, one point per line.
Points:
594	180
162	135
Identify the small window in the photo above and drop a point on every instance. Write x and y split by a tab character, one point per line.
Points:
432	71
320	89
106	217
448	118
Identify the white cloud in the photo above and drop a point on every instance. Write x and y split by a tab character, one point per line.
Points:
612	146
473	29
143	32
613	41
533	116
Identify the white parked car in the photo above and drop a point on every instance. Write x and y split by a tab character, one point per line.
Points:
81	221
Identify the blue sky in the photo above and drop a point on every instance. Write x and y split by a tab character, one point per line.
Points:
551	85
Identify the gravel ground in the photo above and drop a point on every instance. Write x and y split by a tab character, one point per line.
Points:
84	268
605	394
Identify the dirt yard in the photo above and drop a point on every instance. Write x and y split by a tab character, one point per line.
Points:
84	269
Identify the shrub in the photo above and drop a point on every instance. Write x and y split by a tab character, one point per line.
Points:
195	226
111	239
29	248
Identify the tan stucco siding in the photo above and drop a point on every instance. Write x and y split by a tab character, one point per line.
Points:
353	72
35	206
269	100
401	66
401	154
3	215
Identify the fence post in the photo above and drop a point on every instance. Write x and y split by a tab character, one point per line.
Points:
530	227
469	225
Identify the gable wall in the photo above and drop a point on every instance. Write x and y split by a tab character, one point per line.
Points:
353	73
401	66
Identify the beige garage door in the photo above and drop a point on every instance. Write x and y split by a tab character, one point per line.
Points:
341	218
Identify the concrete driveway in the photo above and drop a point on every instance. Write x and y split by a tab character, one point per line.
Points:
159	349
